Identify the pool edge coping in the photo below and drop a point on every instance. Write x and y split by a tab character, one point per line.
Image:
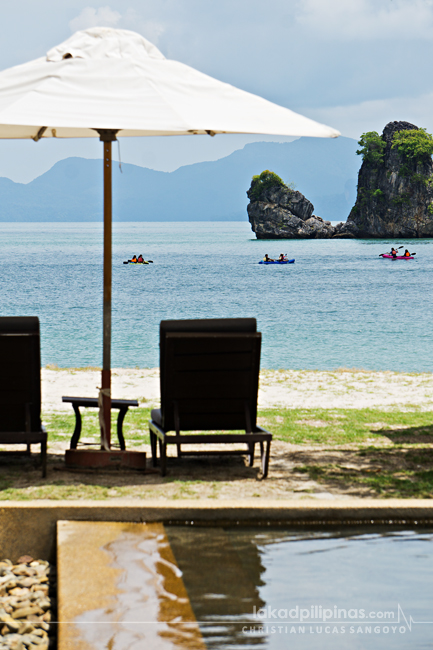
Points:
29	527
230	508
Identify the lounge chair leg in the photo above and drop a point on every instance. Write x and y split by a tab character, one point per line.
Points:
163	457
265	458
153	447
251	446
44	458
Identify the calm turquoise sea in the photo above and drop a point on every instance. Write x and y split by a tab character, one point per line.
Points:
339	305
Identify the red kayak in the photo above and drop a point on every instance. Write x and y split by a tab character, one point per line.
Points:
399	257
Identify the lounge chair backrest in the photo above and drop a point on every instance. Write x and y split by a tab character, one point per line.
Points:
209	374
20	374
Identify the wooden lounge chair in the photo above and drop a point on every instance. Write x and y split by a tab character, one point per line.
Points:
209	381
20	385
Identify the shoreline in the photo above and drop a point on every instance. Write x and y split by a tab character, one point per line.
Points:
327	389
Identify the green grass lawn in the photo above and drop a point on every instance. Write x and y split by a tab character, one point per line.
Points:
395	449
298	426
361	452
400	481
347	426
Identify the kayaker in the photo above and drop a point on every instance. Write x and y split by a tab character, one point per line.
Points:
268	259
282	258
393	252
140	259
134	258
406	253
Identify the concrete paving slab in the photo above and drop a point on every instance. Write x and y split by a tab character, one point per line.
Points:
119	587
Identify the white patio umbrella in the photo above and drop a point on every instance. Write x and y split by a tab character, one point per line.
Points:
105	83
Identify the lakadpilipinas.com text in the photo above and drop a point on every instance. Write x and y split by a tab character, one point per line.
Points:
318	619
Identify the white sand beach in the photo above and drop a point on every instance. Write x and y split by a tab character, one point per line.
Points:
343	388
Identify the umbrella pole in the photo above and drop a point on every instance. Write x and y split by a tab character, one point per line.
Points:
104	457
107	136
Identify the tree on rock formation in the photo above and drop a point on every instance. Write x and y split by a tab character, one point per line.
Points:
395	184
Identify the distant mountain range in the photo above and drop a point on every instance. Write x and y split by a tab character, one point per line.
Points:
324	170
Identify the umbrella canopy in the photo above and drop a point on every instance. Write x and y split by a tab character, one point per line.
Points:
105	82
106	78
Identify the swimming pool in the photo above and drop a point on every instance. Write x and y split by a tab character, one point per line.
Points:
278	588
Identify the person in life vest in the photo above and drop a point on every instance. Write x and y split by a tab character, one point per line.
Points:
393	252
282	258
140	259
134	258
406	253
267	258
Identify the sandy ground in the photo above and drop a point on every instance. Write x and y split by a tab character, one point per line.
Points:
342	388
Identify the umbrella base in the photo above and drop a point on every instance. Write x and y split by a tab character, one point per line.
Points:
99	458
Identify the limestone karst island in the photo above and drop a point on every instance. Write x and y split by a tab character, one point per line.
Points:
394	196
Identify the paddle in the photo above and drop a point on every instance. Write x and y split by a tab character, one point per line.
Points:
380	254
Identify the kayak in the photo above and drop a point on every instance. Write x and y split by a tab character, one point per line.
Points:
399	257
277	262
135	263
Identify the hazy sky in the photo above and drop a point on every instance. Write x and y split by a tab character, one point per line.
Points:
352	64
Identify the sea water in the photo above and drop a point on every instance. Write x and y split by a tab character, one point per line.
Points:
339	305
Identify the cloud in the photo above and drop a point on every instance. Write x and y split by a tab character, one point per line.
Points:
352	64
150	29
355	119
342	59
366	20
91	17
107	17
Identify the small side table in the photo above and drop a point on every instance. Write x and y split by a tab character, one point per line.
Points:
88	402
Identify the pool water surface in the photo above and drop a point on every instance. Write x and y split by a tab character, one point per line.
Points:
276	588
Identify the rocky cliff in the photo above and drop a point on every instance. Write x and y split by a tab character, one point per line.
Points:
395	184
276	211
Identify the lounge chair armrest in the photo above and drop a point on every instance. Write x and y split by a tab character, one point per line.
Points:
258	429
157	430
